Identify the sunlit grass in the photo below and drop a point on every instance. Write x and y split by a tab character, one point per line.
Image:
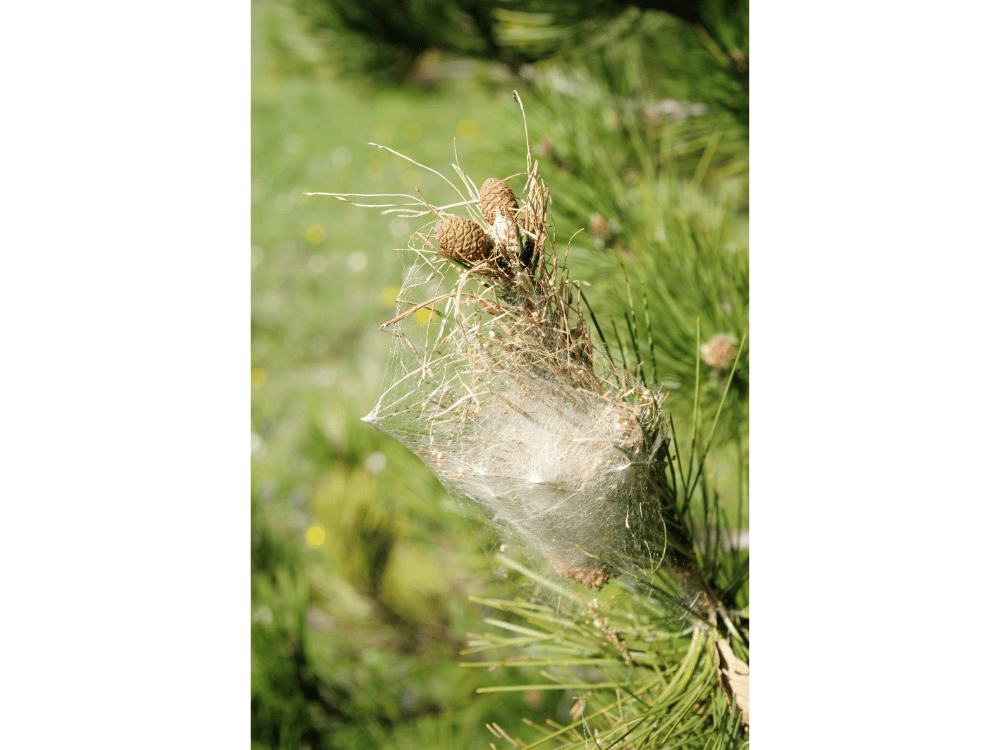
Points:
358	551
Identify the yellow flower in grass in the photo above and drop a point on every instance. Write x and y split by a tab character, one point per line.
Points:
315	536
466	129
315	234
388	296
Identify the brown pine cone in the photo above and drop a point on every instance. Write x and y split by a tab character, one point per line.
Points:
462	240
493	195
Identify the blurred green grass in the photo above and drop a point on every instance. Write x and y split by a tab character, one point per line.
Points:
344	633
344	630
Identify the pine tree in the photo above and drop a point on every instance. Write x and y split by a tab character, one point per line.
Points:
703	46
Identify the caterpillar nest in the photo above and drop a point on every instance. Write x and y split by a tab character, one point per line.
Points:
495	384
499	393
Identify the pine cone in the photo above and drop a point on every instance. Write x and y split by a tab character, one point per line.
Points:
462	240
496	195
